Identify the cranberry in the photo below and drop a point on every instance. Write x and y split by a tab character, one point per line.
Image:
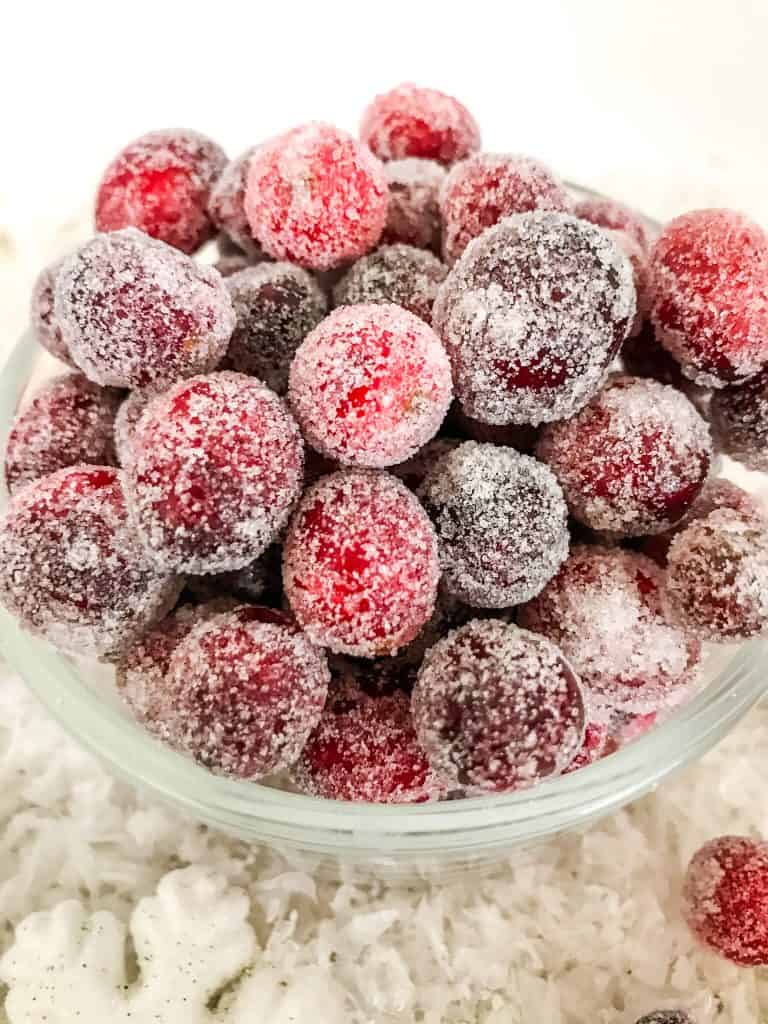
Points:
740	421
398	274
126	420
45	326
413	214
614	216
160	183
226	206
593	746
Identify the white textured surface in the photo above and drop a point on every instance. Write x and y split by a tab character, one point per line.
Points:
661	104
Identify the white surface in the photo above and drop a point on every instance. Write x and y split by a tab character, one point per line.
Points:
661	104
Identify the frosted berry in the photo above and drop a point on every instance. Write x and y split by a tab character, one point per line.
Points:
614	216
641	274
44	325
413	214
410	121
215	465
667	1017
360	563
633	461
370	385
709	274
364	748
717	576
593	746
226	205
69	421
532	315
71	567
740	421
242	693
497	708
399	274
316	197
725	898
605	611
276	305
136	312
160	184
480	191
501	522
128	415
625	727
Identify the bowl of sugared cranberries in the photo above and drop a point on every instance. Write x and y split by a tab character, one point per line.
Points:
387	498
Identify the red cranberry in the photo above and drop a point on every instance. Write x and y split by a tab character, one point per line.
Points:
161	184
68	422
213	469
71	567
592	748
726	898
614	216
410	121
316	197
413	214
497	708
709	274
126	420
740	421
226	206
633	461
44	325
360	563
532	315
370	385
137	313
398	274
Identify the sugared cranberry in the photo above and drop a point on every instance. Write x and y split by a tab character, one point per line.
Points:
127	417
667	1017
633	461
605	610
614	216
740	421
316	197
497	708
136	312
641	273
72	568
370	385
364	748
226	206
242	693
213	469
69	421
413	214
592	748
360	563
44	325
276	305
482	190
717	576
532	316
709	273
161	183
399	274
410	121
501	523
725	898
625	727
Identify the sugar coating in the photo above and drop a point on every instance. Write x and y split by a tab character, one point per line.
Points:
242	693
72	568
69	422
717	576
725	898
276	306
709	280
740	421
532	315
360	563
364	749
413	214
226	205
479	192
161	183
214	468
411	121
42	321
316	197
633	461
370	385
605	611
128	415
501	522
497	708
614	216
135	312
593	746
641	273
399	274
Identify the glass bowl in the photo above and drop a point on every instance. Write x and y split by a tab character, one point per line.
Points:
391	839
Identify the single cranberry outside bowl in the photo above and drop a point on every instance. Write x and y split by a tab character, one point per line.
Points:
392	839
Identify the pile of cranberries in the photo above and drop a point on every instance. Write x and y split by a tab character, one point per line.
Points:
407	490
